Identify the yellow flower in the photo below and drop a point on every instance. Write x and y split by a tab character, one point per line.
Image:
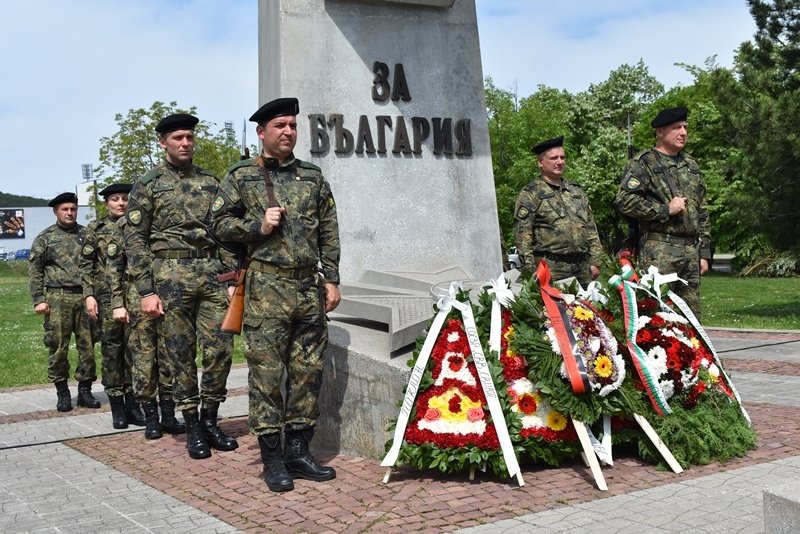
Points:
556	421
695	342
603	366
442	403
509	335
583	314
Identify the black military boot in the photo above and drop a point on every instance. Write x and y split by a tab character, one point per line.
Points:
299	462
132	410
85	397
152	430
195	441
64	403
214	434
118	417
169	422
275	473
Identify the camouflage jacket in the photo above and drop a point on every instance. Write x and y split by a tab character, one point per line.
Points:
557	219
644	195
309	231
116	262
94	256
168	210
55	255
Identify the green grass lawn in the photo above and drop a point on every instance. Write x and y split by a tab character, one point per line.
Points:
728	301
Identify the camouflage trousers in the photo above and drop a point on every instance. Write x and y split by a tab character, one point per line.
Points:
68	316
675	258
150	373
116	359
560	270
194	306
285	334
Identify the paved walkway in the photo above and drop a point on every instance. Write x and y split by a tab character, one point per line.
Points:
73	473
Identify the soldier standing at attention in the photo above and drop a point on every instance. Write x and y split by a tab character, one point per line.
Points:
55	286
663	189
553	221
282	209
150	370
97	296
174	261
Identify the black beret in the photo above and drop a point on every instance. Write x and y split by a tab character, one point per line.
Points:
176	121
114	189
276	108
544	146
668	116
63	198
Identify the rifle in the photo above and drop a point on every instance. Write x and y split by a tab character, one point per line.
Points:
631	241
234	316
232	322
245	148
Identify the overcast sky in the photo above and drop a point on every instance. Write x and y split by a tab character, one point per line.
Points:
67	67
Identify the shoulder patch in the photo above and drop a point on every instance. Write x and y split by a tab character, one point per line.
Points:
631	183
112	250
217	205
135	217
307	165
87	250
151	175
522	212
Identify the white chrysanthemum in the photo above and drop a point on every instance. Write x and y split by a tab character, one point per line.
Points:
521	386
667	387
453	427
642	321
657	360
713	370
670	317
462	374
688	378
453	336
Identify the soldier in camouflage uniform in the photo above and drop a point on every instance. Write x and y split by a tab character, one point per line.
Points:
174	262
282	210
97	297
55	286
663	189
150	374
553	221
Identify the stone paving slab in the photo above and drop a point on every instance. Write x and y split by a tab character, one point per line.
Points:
36	480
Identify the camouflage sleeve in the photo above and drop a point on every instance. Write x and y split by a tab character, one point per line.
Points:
704	226
37	259
595	246
88	260
137	233
229	220
524	237
329	246
115	267
634	197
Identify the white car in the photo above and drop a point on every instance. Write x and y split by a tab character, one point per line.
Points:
513	258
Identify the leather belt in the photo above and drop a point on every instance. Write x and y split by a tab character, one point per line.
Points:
672	239
284	272
72	290
182	254
575	257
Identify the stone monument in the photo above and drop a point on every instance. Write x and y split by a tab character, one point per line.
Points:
392	109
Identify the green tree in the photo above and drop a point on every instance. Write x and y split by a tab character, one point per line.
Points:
761	103
133	149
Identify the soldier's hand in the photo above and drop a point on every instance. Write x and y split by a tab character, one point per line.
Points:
677	205
42	308
594	271
272	219
332	296
121	315
703	266
91	308
151	306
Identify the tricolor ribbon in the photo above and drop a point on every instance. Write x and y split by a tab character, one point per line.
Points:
445	304
639	358
565	337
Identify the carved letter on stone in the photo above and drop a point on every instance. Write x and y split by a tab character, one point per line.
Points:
380	83
320	143
421	128
364	136
401	142
464	137
383	121
400	86
442	136
343	136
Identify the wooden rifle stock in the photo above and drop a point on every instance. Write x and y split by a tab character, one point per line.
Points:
235	314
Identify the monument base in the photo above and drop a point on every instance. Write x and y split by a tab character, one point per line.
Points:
362	386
